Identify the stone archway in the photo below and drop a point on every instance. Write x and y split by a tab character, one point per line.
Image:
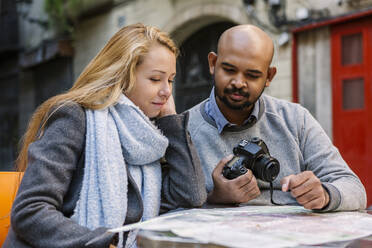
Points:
191	17
196	29
193	80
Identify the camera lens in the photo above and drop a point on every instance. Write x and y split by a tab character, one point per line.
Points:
266	168
272	170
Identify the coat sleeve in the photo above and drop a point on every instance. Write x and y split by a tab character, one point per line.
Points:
37	216
320	156
183	180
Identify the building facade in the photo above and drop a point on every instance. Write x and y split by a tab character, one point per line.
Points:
316	44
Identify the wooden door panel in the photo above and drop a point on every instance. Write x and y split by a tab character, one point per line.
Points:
352	126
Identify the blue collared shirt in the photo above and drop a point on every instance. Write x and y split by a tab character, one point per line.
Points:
212	110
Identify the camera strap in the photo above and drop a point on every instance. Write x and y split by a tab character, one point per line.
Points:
271	195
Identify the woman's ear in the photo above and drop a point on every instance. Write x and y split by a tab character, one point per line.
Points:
270	75
212	58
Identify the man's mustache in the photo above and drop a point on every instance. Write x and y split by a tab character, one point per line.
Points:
234	90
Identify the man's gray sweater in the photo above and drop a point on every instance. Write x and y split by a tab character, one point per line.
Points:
293	137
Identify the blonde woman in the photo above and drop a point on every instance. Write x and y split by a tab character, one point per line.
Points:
92	155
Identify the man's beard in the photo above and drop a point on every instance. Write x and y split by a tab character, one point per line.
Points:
233	90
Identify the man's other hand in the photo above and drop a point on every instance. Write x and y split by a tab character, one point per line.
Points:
307	189
238	190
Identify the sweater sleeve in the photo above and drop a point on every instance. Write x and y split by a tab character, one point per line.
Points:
183	180
37	216
320	156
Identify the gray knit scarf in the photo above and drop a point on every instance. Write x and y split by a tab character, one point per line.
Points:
116	137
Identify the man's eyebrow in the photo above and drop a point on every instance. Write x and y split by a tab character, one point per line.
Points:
248	70
254	71
228	64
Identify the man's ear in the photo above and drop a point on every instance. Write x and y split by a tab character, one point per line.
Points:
212	59
270	75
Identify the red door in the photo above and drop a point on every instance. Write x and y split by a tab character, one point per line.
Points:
352	96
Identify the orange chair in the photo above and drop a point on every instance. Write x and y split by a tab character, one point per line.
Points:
9	182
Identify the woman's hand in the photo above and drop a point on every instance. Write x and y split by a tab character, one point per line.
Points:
169	108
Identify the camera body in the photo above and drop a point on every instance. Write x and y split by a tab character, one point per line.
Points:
253	155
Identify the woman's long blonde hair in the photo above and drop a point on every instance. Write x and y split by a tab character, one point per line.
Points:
109	74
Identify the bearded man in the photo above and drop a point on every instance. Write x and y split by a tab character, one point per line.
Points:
312	171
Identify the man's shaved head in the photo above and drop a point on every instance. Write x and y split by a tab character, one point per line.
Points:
247	38
241	70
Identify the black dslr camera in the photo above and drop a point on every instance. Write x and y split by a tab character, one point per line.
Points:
253	155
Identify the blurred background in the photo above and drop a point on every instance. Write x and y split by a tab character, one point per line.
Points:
323	53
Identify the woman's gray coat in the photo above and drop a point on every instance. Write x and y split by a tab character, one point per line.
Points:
51	184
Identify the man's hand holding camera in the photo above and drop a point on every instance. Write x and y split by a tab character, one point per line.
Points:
307	189
238	190
235	181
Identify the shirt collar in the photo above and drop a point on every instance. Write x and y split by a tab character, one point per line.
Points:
212	110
